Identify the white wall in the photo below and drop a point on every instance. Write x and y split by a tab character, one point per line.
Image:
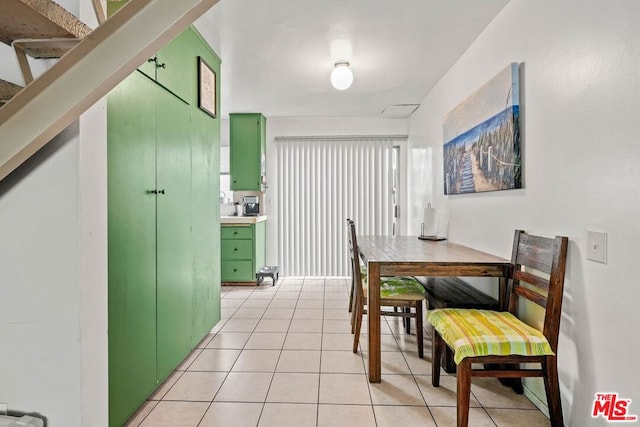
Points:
92	269
39	284
53	295
283	126
53	279
580	101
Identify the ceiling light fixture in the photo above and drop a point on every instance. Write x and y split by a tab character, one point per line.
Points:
341	76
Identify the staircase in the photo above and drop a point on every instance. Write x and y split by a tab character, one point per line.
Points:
91	63
40	29
7	91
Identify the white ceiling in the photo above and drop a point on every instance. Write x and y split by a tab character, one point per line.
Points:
277	55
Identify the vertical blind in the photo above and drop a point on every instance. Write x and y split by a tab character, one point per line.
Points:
321	183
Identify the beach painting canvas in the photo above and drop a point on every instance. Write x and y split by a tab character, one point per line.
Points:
482	138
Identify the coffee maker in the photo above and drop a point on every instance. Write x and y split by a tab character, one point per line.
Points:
251	205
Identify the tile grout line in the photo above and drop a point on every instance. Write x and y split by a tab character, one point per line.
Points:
231	367
264	404
244	347
157	402
236	360
413	375
320	364
396	337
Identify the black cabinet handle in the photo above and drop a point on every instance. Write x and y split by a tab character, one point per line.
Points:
235	249
161	191
155	59
152	192
235	269
235	232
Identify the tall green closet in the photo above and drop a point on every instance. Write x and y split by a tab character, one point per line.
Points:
164	238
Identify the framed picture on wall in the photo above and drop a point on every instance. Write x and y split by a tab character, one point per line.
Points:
482	138
206	88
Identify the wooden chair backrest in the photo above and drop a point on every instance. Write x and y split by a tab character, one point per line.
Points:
548	256
355	255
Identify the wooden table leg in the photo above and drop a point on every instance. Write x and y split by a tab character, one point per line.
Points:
373	310
502	294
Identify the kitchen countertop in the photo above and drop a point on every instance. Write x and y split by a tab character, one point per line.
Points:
241	219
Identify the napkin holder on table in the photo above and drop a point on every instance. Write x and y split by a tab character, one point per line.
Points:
428	226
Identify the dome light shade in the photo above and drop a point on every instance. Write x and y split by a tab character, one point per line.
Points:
341	76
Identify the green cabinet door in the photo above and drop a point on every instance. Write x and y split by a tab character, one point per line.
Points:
170	66
131	247
237	232
205	181
247	142
148	68
238	271
173	228
173	64
243	251
164	248
237	248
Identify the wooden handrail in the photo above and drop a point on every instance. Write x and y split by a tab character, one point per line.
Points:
100	15
88	72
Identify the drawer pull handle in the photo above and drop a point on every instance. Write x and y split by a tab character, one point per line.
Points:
235	249
235	232
235	269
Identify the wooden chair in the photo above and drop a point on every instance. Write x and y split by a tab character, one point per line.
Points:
351	292
405	320
405	293
519	343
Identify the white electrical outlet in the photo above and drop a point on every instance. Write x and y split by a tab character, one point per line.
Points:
3	408
597	246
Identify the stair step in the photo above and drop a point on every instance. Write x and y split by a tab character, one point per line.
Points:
7	91
87	72
39	19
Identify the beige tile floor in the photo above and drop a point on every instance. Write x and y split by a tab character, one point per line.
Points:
281	356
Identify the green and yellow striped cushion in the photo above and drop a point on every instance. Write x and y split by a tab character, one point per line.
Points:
472	332
396	287
401	287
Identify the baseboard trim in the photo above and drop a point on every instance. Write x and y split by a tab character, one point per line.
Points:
540	404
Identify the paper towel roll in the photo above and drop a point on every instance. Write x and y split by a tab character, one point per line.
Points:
429	221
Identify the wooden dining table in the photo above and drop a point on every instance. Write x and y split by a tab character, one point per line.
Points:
410	256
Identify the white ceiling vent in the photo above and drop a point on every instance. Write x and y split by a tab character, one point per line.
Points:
399	110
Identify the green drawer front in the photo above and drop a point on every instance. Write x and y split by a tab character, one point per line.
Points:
238	271
237	249
237	232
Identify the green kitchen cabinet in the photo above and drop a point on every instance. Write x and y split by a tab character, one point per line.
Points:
169	65
247	141
131	247
205	190
150	268
172	62
243	251
173	225
163	230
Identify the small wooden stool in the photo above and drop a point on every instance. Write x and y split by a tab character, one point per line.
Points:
268	271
